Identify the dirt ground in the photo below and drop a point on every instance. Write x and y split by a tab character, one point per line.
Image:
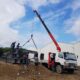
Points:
18	72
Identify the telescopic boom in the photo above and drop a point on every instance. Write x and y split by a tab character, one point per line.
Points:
51	36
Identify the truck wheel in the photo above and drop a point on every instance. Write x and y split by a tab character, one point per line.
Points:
71	71
59	69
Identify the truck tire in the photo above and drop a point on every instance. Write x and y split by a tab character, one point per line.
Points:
59	69
71	71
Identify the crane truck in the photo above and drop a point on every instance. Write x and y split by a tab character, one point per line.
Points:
60	61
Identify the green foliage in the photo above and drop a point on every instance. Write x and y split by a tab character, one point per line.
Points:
7	49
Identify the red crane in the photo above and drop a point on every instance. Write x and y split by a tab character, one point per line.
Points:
50	34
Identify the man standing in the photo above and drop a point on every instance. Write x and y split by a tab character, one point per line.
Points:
17	52
17	48
13	50
13	47
36	59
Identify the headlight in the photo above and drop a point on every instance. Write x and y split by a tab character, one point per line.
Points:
66	64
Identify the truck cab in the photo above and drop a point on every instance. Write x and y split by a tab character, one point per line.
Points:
65	61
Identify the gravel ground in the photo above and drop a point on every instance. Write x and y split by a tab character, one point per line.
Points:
18	72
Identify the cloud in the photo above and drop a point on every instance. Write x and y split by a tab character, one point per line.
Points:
36	4
40	38
75	4
10	11
75	29
73	23
54	1
7	35
13	10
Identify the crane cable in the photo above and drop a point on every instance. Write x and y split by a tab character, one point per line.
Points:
26	42
33	42
29	41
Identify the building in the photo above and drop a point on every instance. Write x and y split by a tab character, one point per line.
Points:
73	48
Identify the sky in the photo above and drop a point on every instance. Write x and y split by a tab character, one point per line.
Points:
18	21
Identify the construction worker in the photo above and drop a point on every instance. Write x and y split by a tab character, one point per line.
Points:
26	61
13	49
17	49
36	64
36	59
17	52
53	62
18	46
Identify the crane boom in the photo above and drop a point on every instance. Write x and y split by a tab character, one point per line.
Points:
51	36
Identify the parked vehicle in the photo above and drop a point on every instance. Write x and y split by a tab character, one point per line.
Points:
63	61
59	61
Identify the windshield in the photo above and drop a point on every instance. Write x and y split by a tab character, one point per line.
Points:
69	56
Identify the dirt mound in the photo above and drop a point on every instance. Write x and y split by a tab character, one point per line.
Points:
19	72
